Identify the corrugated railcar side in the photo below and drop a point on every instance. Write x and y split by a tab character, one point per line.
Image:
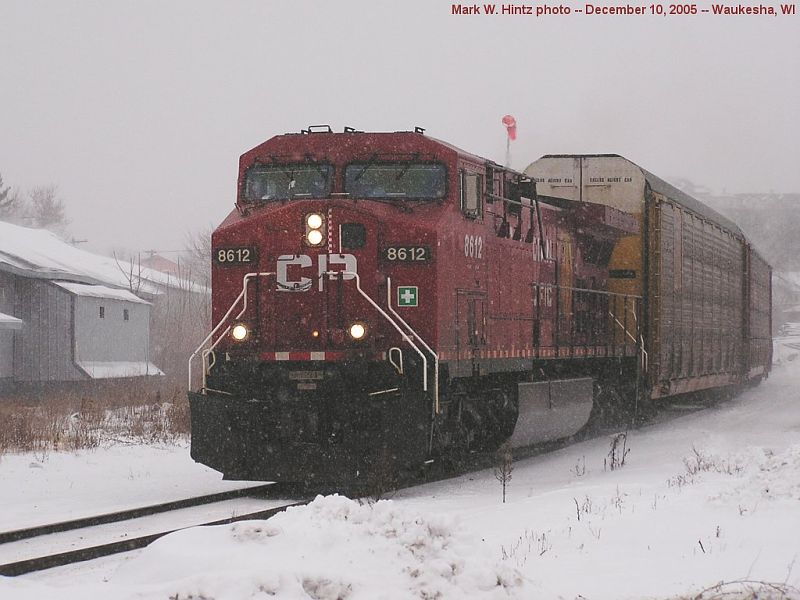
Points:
759	315
696	300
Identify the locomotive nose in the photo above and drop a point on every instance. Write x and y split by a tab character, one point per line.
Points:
319	300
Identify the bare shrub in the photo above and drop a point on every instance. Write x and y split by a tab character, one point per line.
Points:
702	462
110	412
530	542
618	501
504	466
584	507
746	589
617	452
580	467
680	480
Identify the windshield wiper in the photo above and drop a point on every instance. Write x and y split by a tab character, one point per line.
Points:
407	166
322	168
370	162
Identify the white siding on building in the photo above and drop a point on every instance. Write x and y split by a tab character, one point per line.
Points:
110	338
6	353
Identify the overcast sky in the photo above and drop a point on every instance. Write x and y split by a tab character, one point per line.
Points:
139	111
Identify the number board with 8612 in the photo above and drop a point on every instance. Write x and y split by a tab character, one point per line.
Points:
240	255
407	254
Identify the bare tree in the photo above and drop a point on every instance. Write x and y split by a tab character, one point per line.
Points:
11	205
504	465
180	319
132	271
198	255
47	210
3	194
180	316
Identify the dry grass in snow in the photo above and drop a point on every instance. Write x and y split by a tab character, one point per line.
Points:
123	413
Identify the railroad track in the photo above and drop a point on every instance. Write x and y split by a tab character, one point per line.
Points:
26	559
58	544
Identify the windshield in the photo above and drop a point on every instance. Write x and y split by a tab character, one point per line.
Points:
284	182
398	180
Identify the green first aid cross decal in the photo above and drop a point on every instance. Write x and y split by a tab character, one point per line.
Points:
407	295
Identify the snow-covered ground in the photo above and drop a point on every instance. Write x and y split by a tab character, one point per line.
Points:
37	489
704	498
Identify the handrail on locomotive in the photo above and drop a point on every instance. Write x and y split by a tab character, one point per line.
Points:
406	335
242	295
636	337
403	334
436	407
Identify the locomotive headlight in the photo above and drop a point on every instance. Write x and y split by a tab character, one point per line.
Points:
314	237
357	331
315	223
239	332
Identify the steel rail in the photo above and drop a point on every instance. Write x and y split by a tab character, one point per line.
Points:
133	513
61	559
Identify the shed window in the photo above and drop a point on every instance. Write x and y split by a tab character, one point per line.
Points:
125	315
102	312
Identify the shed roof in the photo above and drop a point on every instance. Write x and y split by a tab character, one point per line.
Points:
9	322
39	253
114	369
99	291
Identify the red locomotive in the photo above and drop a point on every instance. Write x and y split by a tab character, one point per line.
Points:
385	299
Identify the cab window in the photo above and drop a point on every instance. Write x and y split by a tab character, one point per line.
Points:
471	200
285	182
395	180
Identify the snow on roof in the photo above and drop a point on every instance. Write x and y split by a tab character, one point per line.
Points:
113	369
99	291
9	322
39	253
